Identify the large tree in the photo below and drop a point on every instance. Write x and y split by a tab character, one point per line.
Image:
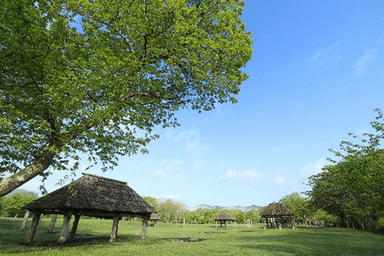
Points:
81	76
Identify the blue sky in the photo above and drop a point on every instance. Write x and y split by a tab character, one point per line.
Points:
317	73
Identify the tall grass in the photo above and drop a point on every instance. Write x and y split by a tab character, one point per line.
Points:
233	241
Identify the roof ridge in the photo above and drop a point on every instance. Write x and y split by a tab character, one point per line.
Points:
103	178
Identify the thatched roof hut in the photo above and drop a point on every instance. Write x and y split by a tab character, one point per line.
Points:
94	196
274	210
224	216
278	213
154	217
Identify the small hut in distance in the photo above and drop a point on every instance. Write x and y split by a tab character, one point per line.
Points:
92	196
155	218
278	214
224	216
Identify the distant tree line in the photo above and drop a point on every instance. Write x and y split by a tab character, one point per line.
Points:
10	205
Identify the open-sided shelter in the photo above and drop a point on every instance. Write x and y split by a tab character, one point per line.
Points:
224	216
278	213
93	196
155	218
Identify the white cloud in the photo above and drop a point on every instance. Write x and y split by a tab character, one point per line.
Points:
172	165
181	177
314	168
243	176
324	56
192	140
279	179
159	173
198	164
365	61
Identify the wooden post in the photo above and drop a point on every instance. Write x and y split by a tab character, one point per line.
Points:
114	229
24	221
38	224
33	228
64	229
53	222
264	223
184	223
74	227
144	230
226	223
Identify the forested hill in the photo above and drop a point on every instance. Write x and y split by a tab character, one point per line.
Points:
242	208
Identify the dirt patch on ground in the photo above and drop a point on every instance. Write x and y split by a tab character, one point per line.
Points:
188	239
78	241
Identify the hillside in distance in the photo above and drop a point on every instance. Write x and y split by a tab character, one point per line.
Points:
242	208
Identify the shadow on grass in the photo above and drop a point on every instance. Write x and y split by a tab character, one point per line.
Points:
88	241
316	241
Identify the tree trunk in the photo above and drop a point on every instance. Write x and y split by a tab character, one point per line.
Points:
64	230
74	227
33	228
115	227
144	230
53	222
24	221
31	171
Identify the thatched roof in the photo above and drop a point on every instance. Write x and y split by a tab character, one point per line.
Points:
94	196
224	216
276	210
154	216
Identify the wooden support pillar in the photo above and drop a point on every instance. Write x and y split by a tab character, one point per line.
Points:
264	223
64	229
53	222
74	227
226	223
38	224
184	223
26	215
144	230
115	227
33	229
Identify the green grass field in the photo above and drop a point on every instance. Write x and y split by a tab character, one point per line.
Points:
94	234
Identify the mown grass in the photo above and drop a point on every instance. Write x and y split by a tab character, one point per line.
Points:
233	241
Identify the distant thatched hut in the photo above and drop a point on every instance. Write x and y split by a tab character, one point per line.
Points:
155	218
93	196
224	216
278	214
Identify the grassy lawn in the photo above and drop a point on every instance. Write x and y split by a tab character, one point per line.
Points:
94	234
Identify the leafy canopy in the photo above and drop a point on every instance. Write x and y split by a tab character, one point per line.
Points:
85	75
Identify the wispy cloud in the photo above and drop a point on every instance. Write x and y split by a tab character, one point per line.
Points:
159	173
314	168
324	56
245	175
181	177
198	164
278	179
365	61
192	140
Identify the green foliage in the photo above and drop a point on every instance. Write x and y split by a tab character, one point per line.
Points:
299	205
352	187
11	206
85	76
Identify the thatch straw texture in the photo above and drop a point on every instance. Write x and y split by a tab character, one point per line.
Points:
224	216
94	196
154	216
276	210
